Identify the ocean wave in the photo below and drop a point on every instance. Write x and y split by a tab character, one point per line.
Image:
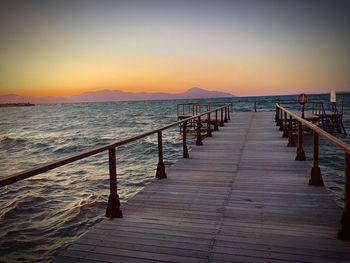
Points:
9	142
44	214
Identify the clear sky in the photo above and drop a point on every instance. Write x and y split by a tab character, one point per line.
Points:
243	47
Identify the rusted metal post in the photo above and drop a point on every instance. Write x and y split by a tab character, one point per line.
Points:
208	126
225	119
291	141
222	117
281	120
300	150
199	136
113	207
316	177
344	231
285	126
160	174
216	126
184	141
228	112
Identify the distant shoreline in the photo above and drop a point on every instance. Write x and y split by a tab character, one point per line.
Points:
21	104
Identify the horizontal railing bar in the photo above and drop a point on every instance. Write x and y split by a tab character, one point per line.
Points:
66	160
326	135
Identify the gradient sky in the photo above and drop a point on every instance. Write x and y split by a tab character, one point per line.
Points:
243	47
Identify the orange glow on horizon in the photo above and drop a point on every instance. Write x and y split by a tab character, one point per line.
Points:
230	46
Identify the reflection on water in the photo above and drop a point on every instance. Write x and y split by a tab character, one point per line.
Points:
41	215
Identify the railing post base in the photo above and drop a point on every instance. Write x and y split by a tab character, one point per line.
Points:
186	155
291	141
316	177
199	140
300	154
344	231
160	174
113	207
281	126
285	133
216	127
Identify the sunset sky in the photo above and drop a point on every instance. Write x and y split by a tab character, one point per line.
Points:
63	48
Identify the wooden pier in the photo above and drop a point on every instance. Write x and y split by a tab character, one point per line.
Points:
240	197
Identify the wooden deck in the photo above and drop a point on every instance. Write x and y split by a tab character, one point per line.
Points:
240	197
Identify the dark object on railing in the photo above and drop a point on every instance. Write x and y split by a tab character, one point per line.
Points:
160	174
113	207
254	106
316	177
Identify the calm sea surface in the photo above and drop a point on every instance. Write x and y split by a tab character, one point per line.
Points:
42	215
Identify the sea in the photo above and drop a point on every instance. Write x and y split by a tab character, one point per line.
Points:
42	215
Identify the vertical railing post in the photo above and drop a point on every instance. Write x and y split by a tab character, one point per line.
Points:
216	126
199	136
285	126
281	120
276	113
208	127
254	106
225	119
222	118
316	177
184	141
113	207
291	141
160	174
344	231
277	116
300	150
228	112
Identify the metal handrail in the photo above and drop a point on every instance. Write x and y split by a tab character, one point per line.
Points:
63	161
315	128
286	125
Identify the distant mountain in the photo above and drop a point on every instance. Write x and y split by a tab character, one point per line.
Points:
117	95
198	93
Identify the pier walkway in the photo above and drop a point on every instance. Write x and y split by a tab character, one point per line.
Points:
241	197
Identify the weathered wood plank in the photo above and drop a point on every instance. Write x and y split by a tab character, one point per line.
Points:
240	197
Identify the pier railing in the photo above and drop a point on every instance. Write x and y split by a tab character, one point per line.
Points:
286	119
113	207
